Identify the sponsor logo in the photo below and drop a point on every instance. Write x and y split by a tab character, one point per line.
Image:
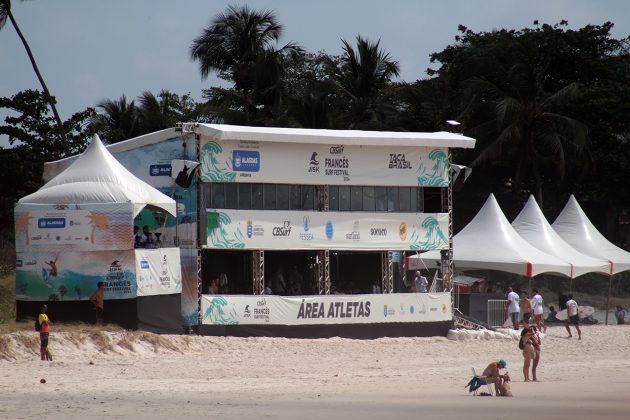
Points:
411	309
329	230
36	238
402	231
18	263
337	167
378	232
313	165
433	309
61	206
245	160
51	223
284	230
261	311
398	161
306	235
402	310
144	264
336	150
423	310
31	262
388	311
160	170
443	308
355	235
250	229
247	313
74	223
115	264
254	230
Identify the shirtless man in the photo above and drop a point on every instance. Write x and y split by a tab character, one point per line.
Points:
98	300
492	376
526	308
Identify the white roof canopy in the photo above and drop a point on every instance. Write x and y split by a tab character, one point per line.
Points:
578	231
97	177
532	225
489	242
346	137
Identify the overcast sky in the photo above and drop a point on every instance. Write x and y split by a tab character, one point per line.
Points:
89	50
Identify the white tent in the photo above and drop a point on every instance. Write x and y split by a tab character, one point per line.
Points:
489	242
532	225
97	177
578	231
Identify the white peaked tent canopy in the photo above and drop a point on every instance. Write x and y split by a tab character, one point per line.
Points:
97	177
578	231
532	225
489	242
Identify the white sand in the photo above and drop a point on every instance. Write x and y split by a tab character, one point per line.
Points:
277	378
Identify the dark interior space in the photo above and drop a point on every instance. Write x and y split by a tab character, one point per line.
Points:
297	269
235	265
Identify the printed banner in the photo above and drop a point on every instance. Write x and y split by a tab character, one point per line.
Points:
158	271
258	229
73	275
85	227
332	309
319	164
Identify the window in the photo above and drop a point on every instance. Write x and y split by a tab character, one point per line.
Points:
282	197
356	198
344	198
380	197
392	199
296	201
308	197
404	199
369	204
231	196
333	198
218	196
432	200
245	196
270	196
257	196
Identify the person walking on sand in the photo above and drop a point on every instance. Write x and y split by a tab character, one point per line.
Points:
44	331
98	300
573	317
525	305
512	306
538	304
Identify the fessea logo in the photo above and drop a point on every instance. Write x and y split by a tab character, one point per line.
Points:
306	234
245	161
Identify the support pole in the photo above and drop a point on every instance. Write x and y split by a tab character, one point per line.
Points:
610	276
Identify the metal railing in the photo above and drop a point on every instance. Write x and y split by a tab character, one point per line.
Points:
497	315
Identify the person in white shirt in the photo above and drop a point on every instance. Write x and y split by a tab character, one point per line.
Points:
513	307
573	317
538	304
421	283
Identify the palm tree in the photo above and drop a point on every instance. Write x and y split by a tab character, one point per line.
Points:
117	120
238	46
5	14
516	121
364	74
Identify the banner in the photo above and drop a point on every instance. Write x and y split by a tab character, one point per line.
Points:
84	227
329	309
260	229
74	275
321	164
158	271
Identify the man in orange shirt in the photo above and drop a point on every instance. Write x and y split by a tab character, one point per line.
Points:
44	330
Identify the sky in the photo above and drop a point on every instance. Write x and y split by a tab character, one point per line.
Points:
90	50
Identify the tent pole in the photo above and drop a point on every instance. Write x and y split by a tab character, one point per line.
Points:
608	297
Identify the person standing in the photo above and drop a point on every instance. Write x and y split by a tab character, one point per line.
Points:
573	317
421	283
44	331
526	308
512	306
536	342
620	315
538	304
98	300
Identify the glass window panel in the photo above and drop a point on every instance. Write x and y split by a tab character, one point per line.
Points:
206	190
356	198
308	197
296	201
392	199
270	196
344	198
404	198
369	204
257	196
218	196
231	196
282	197
380	197
415	206
244	196
333	198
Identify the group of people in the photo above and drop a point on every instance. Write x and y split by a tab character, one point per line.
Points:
145	238
219	285
43	321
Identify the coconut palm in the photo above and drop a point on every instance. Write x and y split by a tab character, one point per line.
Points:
364	74
238	46
116	120
5	14
516	121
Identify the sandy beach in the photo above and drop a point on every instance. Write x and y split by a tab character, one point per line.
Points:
140	375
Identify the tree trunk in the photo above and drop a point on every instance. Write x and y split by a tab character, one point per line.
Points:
39	76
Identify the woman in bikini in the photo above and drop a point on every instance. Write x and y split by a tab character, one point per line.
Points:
536	342
529	352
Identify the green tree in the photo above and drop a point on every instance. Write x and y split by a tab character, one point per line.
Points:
364	74
239	46
165	110
5	14
116	120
